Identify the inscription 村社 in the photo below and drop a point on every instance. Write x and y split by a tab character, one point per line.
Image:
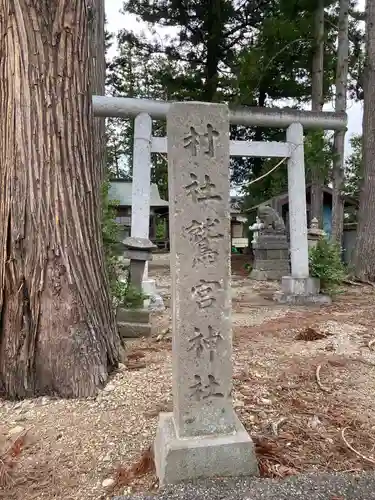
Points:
194	140
201	192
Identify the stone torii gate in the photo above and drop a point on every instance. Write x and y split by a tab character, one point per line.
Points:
298	287
203	437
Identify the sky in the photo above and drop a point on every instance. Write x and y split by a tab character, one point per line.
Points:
118	21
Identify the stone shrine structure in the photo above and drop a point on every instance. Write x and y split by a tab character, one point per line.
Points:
314	233
135	322
271	249
256	228
203	437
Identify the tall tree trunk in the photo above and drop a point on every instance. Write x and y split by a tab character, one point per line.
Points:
364	257
317	101
339	138
97	22
57	332
215	28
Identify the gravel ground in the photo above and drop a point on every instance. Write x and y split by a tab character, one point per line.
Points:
94	449
307	487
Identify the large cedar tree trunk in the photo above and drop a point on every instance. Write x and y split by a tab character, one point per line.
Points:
57	333
98	80
339	138
317	101
364	260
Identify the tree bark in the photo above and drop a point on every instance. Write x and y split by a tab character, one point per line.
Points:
98	68
215	27
339	137
317	101
364	257
58	332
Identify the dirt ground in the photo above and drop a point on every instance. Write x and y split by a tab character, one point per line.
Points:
304	385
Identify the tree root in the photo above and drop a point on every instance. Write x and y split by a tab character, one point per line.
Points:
366	459
275	425
358	281
350	282
319	382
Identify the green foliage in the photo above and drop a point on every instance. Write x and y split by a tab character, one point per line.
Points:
119	150
318	153
127	296
121	292
133	298
247	53
248	267
110	234
160	229
354	168
325	263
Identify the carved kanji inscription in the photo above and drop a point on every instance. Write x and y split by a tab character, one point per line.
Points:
201	191
200	391
194	141
205	342
204	237
204	293
198	145
191	141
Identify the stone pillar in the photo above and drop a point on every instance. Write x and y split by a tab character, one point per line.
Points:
299	252
141	184
203	437
141	194
298	288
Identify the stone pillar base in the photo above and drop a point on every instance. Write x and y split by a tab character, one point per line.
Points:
149	287
133	323
271	256
178	459
301	291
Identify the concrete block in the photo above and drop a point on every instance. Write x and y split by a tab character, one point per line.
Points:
275	244
133	315
273	265
302	300
269	274
183	459
300	286
134	330
301	291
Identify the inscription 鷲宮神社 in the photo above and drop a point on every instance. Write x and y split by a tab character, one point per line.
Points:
204	293
194	141
204	237
200	391
200	342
